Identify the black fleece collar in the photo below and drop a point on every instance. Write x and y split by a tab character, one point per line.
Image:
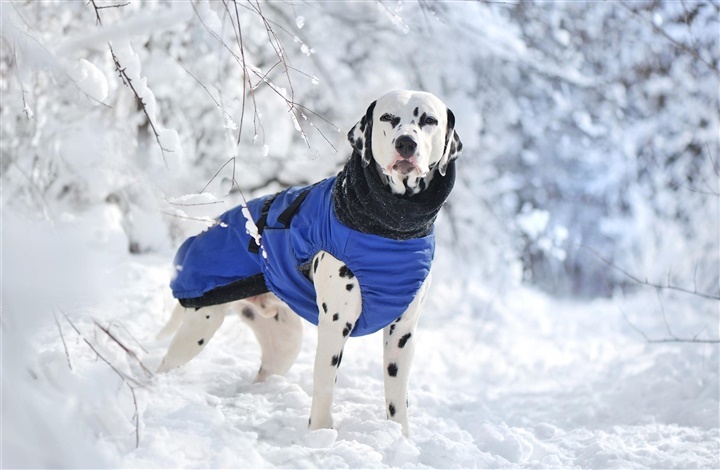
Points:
364	203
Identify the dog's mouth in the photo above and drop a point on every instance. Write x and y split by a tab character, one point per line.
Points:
406	167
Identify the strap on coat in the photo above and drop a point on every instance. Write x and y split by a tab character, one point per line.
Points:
253	247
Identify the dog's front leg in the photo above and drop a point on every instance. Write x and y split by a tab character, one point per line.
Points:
340	304
398	355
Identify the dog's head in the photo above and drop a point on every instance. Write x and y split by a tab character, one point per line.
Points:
408	134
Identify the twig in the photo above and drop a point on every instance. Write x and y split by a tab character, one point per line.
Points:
136	416
98	20
715	166
129	351
62	337
646	282
685	340
674	41
127	81
641	332
206	220
131	336
674	338
662	311
122	375
234	181
194	203
246	77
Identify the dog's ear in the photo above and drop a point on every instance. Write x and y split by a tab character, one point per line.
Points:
453	145
360	136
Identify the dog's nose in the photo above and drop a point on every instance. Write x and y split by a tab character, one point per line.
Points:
405	146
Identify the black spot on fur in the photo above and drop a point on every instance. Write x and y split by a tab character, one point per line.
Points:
336	317
207	316
277	317
391	409
404	339
248	313
200	343
398	319
349	287
345	272
336	360
415	112
315	264
422	184
348	328
392	328
394	122
422	120
324	306
426	120
392	369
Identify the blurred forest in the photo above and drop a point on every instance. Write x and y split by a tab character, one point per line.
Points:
588	127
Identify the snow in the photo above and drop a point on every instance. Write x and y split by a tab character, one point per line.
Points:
520	380
90	80
582	125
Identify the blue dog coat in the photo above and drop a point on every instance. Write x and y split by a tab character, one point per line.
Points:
298	223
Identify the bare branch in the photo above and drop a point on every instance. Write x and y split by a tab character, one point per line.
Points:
98	20
136	416
97	9
674	41
646	282
127	81
634	327
206	220
234	181
62	337
129	351
715	166
673	339
120	374
685	340
662	310
132	336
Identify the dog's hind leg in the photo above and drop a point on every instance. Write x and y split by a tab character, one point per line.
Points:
397	358
196	330
277	329
340	304
173	323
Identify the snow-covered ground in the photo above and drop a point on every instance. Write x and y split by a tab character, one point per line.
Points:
513	380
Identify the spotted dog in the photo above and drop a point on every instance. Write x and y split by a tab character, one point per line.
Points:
351	254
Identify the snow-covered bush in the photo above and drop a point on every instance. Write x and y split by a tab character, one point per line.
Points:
602	116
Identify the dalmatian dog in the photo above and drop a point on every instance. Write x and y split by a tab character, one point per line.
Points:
364	269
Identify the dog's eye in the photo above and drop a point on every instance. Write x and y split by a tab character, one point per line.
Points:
431	121
386	117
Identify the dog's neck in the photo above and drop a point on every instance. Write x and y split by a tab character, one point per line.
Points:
365	202
405	185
